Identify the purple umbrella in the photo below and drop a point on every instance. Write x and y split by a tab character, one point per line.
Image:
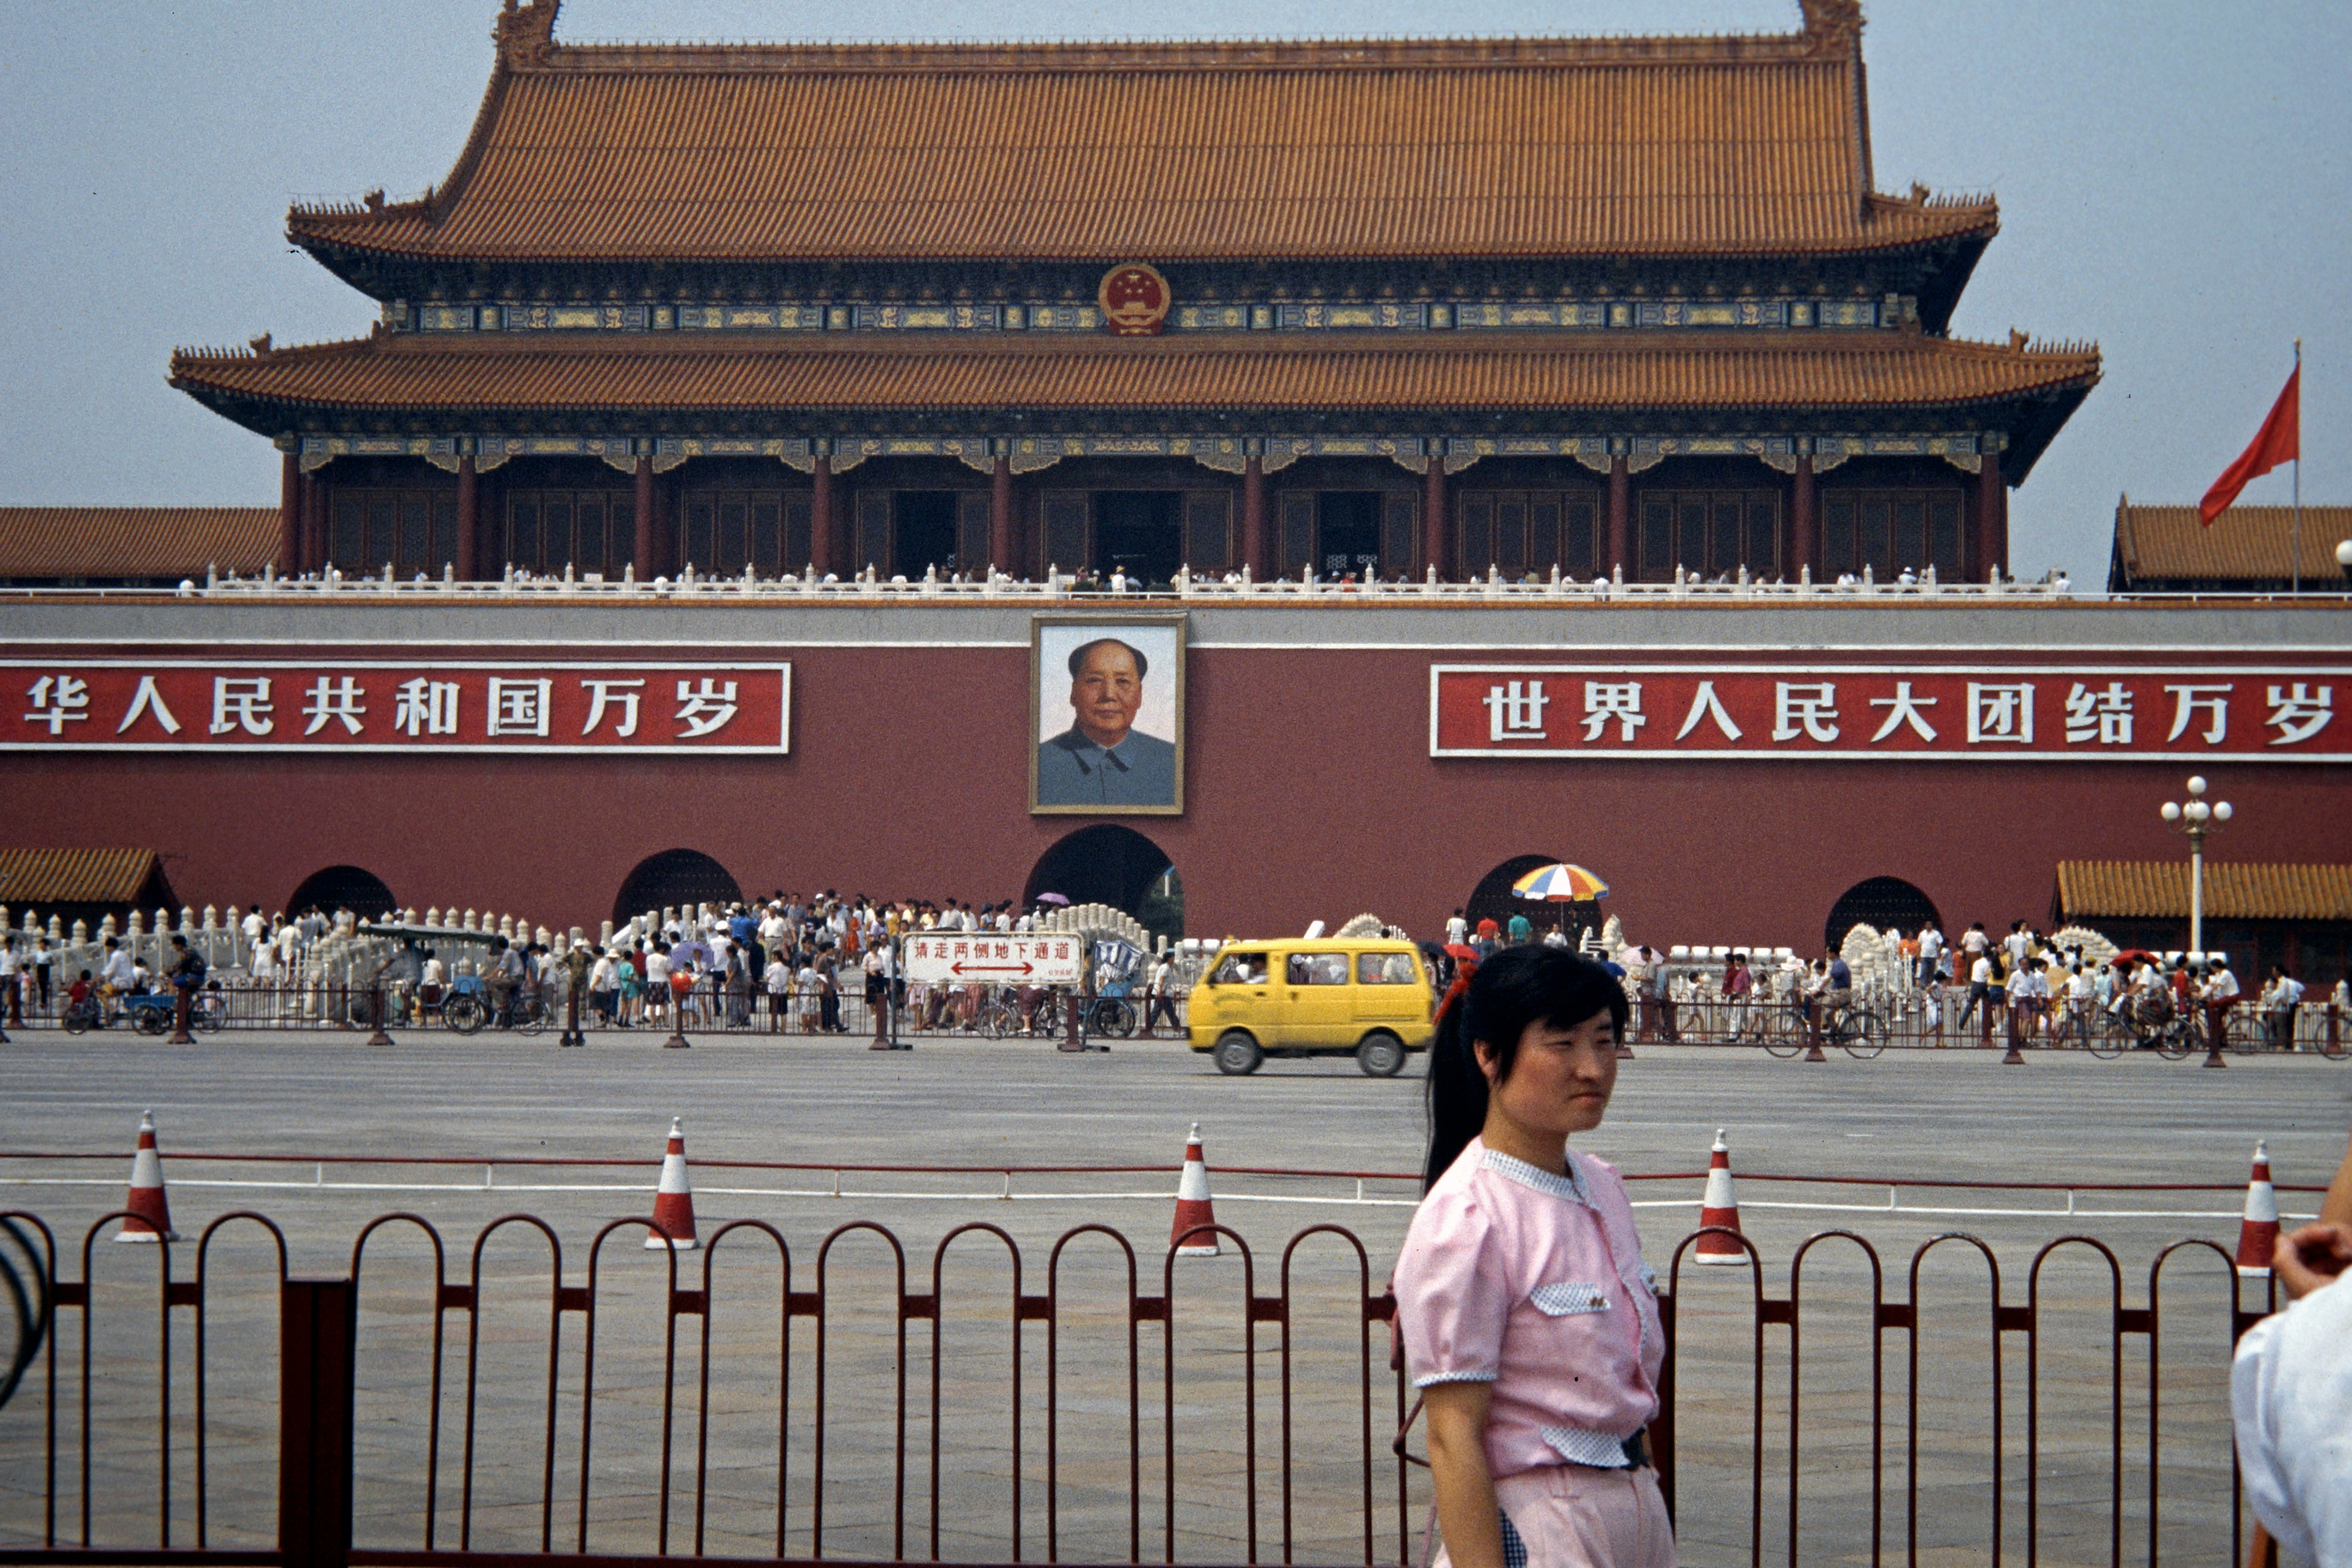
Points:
1052	899
692	952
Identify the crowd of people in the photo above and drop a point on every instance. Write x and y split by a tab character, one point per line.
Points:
2038	989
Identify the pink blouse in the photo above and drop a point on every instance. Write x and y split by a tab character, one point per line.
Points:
1534	1282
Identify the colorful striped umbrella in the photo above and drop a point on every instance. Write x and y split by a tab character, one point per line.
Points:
1561	884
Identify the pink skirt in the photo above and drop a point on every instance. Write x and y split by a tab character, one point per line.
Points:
1573	1516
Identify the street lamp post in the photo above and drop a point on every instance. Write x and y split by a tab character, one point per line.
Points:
2196	820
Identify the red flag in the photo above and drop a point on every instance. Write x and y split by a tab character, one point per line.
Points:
2280	440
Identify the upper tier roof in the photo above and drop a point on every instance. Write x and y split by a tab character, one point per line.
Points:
1166	152
459	380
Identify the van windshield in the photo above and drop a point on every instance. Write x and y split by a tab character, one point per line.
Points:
1240	969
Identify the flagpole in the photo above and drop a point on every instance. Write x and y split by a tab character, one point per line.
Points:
2296	566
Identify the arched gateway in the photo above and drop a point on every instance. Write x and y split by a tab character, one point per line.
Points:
1106	864
673	878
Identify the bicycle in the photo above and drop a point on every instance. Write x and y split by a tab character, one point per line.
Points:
470	1010
1781	1028
1858	1031
1113	1017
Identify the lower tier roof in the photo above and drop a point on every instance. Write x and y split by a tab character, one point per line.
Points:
1595	380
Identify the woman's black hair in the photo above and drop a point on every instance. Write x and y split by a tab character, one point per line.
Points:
1517	987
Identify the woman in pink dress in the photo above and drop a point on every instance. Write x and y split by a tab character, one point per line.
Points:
1529	1318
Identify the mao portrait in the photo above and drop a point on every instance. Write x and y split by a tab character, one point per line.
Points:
1108	717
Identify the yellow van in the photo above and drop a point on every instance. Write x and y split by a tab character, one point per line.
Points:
1302	997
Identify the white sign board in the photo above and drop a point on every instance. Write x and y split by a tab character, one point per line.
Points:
969	958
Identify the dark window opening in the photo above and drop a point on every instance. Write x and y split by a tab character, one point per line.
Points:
726	530
924	535
592	532
1891	531
1712	533
1347	533
1522	532
1139	533
410	530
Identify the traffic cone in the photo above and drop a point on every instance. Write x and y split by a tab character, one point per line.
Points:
1719	1206
674	1199
150	1214
1192	1206
2258	1232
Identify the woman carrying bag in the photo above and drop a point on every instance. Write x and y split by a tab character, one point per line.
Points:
1528	1317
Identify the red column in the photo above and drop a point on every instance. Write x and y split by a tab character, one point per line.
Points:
1433	530
314	526
289	513
1253	516
1992	519
469	516
821	516
648	549
1804	541
1000	515
1621	519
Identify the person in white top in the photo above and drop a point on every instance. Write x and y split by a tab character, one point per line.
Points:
2279	1000
2291	1391
777	980
1457	930
264	962
1931	954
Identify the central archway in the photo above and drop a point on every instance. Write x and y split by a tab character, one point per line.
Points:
675	879
1492	899
344	888
1106	864
1880	902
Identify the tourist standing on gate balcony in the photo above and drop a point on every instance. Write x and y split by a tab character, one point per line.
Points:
1530	1320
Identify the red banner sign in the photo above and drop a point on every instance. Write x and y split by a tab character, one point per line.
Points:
351	705
1939	712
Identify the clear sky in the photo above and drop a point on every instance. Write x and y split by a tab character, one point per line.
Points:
2175	179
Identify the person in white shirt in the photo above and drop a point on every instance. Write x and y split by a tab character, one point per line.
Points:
1457	930
1980	989
2291	1391
2279	1000
264	962
114	978
2080	999
777	980
255	927
1931	954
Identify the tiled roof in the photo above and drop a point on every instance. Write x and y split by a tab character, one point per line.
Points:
135	541
2246	543
32	878
1164	151
1555	372
2158	890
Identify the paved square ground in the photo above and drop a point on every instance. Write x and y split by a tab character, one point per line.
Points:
1906	1120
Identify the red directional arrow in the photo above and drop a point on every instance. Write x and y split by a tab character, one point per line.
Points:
992	969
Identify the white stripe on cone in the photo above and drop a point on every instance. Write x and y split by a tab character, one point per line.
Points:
151	1214
1192	1206
674	1199
1718	1205
2258	1232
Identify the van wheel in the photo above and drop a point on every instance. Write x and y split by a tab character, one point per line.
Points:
1237	1054
1380	1055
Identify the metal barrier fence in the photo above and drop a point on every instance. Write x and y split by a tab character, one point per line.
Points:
924	1010
1941	1018
1776	1397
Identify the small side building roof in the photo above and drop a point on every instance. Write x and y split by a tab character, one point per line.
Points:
2158	890
105	542
2160	547
38	878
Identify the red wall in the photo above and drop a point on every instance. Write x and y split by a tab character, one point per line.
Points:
1310	790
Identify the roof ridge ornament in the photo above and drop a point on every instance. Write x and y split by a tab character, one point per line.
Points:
1834	25
525	33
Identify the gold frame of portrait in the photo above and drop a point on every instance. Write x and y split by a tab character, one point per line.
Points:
1110	626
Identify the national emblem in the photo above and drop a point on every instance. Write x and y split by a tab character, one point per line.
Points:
1134	299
